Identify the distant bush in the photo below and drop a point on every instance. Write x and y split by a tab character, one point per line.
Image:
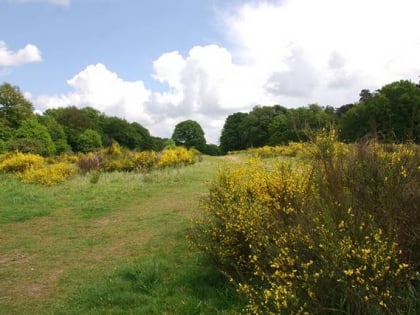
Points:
89	162
3	146
48	175
20	162
179	156
336	234
145	161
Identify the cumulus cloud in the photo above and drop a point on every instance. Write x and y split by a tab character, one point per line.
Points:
30	53
289	52
206	85
341	46
98	87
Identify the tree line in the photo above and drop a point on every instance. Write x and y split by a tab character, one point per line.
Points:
390	114
73	129
60	130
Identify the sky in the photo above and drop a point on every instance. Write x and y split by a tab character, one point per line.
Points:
161	62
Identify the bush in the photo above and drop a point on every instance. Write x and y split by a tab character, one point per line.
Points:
336	235
89	162
176	157
20	162
145	160
48	175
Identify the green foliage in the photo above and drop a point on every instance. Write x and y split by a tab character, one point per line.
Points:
233	133
3	146
32	137
130	135
74	122
189	134
88	141
391	114
212	149
14	108
56	132
336	234
272	125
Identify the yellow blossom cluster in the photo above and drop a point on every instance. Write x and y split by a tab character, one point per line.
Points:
49	175
32	168
335	233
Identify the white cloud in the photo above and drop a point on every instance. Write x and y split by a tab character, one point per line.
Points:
30	53
326	51
205	86
56	2
98	87
290	52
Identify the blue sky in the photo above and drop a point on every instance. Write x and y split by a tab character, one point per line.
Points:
125	35
161	62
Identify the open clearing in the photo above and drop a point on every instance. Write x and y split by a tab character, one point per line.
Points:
115	247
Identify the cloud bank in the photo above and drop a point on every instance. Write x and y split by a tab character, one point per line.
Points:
30	53
291	53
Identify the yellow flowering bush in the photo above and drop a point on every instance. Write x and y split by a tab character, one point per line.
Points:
179	156
145	160
293	149
20	162
48	175
319	237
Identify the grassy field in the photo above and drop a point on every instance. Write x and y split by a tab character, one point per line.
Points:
115	247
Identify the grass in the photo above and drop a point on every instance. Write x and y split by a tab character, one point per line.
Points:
114	247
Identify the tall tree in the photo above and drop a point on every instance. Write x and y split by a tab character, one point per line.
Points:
57	133
32	137
233	135
14	107
74	122
392	113
189	134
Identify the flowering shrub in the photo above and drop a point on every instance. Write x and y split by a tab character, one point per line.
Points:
293	149
176	157
145	160
48	175
325	236
20	162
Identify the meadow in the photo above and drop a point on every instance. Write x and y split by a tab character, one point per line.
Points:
117	246
316	228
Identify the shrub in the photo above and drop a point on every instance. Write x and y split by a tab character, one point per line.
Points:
48	175
145	160
338	234
89	162
20	162
176	157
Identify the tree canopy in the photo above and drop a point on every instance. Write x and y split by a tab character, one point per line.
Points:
189	134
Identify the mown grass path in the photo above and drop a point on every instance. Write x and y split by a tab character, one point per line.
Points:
114	247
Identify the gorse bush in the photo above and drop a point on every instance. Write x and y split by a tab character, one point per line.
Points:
49	175
325	236
20	162
176	157
146	160
32	168
293	149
